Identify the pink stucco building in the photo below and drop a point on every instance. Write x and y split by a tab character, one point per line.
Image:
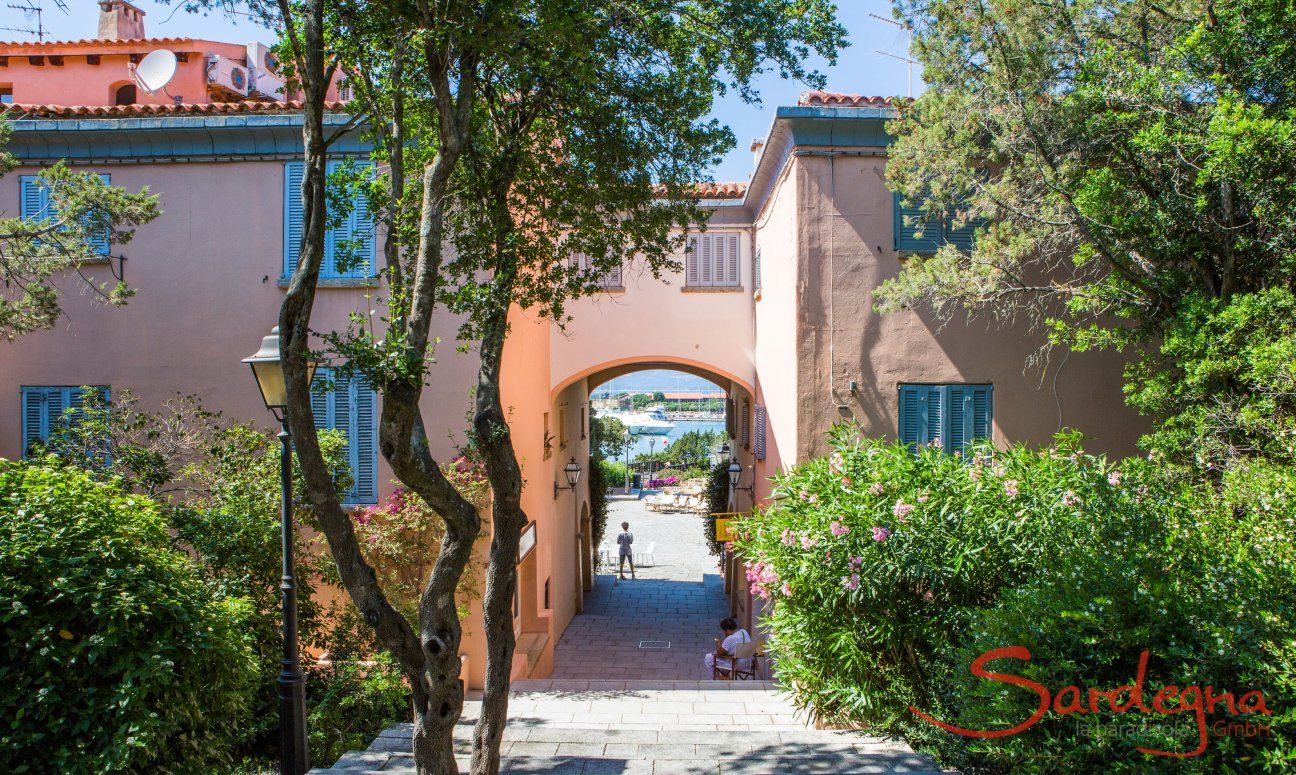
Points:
774	304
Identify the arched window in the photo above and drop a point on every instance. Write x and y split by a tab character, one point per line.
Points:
124	94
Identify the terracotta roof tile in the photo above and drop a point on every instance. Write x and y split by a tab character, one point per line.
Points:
718	190
15	46
828	99
130	111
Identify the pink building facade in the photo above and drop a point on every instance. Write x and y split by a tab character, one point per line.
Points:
774	305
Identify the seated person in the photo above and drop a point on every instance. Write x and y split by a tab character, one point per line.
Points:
723	656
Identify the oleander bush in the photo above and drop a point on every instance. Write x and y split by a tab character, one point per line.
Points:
888	570
115	656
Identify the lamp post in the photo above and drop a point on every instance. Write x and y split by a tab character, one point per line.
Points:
632	438
652	464
572	471
267	368
735	475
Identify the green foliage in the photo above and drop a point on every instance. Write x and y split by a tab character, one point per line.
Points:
116	656
692	449
1232	390
888	572
598	486
1134	162
35	253
349	702
717	495
609	438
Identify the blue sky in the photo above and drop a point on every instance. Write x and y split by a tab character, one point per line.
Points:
860	69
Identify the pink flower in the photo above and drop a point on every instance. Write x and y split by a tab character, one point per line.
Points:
901	509
923	498
877	488
928	596
1114	478
808	541
827	554
835	462
788	537
881	534
855	562
935	443
362	517
974	474
851	582
838	529
1069	498
1011	488
813	499
787	589
846	482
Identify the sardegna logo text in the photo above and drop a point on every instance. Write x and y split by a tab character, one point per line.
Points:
1168	701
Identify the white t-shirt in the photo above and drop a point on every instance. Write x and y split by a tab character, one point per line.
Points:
730	643
624	541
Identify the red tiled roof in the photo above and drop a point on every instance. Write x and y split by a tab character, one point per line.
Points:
130	111
12	46
829	99
718	190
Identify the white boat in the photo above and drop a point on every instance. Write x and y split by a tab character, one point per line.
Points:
652	423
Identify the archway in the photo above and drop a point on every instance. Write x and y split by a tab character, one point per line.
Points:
677	598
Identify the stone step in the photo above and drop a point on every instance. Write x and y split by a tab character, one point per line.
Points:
738	764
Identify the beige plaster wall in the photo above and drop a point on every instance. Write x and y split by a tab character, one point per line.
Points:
846	226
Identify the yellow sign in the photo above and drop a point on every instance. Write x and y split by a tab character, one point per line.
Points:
724	530
724	523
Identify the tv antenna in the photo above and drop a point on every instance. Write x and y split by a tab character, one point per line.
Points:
31	9
907	58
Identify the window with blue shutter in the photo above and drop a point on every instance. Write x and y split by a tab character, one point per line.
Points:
46	407
758	441
348	247
917	231
350	407
956	415
34	205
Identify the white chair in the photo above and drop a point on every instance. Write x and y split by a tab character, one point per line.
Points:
652	545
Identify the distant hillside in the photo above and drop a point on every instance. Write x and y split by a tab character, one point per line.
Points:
659	380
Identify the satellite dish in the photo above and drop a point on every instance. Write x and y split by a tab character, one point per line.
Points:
155	71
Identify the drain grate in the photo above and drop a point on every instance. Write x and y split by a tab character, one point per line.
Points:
654	644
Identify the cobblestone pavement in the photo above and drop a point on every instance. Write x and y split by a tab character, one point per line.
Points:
657	626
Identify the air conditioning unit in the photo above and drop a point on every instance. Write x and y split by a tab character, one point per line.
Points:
227	75
265	84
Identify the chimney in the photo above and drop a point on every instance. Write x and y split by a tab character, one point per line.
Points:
757	148
119	20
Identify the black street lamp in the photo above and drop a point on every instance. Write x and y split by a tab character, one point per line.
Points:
294	755
572	471
735	474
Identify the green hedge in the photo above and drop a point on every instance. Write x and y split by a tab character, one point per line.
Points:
888	572
114	656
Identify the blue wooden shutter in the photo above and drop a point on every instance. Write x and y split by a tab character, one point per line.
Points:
909	221
963	237
100	242
756	270
982	406
33	199
922	414
34	205
759	446
350	407
911	413
957	428
361	229
294	171
35	417
363	442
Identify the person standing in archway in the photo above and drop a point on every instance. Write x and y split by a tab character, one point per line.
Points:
625	550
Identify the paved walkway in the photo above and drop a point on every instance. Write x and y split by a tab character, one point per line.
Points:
566	727
658	626
622	703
